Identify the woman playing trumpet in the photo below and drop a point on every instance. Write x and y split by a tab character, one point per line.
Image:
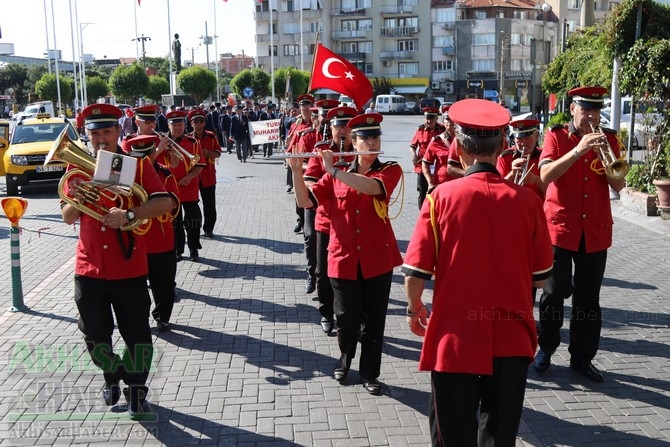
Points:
520	163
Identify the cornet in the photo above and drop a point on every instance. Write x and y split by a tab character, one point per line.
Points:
182	154
614	168
520	175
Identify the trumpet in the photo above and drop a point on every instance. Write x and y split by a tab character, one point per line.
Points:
318	154
92	194
614	167
520	176
182	154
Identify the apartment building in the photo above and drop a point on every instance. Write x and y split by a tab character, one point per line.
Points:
452	49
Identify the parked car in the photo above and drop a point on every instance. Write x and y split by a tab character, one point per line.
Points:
412	108
31	140
346	101
33	109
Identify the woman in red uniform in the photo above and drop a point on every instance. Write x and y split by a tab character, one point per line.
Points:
362	251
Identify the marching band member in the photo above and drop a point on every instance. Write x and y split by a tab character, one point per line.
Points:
422	137
211	151
480	337
111	271
435	162
523	156
362	251
341	142
159	239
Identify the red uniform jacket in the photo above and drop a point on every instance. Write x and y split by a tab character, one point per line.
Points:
190	192
486	240
578	202
160	237
421	139
208	143
358	235
437	155
504	166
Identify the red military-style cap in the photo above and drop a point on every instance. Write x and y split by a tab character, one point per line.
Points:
592	97
305	99
176	115
340	116
479	117
147	112
445	108
325	105
100	116
367	124
142	145
524	128
197	113
430	111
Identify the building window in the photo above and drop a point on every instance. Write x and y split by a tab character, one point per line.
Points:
445	15
480	15
315	27
350	47
522	15
274	50
408	45
355	4
365	47
290	7
442	66
484	65
484	39
365	24
573	4
408	68
613	5
291	28
291	50
348	25
443	41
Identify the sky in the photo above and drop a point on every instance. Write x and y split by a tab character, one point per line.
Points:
111	27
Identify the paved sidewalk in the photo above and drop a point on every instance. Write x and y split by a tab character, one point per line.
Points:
248	365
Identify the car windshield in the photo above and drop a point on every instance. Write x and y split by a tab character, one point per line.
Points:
31	133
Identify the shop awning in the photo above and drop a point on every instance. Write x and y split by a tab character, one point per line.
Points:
416	90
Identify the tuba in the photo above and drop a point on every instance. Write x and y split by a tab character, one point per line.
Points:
64	149
615	168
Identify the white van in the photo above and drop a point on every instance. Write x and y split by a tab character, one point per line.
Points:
390	104
33	109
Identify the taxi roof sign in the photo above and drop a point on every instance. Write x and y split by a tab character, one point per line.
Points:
43	115
14	208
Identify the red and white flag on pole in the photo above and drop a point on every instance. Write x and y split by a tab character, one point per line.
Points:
333	72
139	2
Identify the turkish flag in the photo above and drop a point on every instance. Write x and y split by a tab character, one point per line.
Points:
139	2
333	72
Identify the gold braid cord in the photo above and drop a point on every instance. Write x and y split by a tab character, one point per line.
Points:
381	208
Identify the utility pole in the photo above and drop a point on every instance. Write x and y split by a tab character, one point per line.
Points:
503	47
144	53
207	40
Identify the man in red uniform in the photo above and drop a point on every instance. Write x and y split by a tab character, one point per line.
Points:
524	155
486	241
362	251
188	222
159	238
111	271
211	152
577	209
422	137
435	162
341	142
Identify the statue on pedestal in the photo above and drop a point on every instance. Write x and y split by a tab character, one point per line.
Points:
176	52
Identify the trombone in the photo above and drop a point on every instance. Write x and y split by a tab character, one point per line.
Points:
318	154
614	167
182	154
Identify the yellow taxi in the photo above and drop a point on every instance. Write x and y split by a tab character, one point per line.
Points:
30	142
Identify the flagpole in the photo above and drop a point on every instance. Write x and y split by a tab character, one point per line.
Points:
302	48
46	32
137	41
272	52
74	66
53	21
172	90
216	51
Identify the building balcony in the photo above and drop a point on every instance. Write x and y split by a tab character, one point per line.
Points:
406	8
395	55
442	76
358	56
449	25
351	34
395	31
348	12
448	51
307	14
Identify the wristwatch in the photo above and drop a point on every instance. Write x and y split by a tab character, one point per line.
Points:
130	215
414	314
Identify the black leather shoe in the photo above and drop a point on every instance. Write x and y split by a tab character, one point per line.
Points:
327	325
372	386
297	228
162	326
111	393
180	257
341	369
310	285
542	361
208	235
194	256
588	370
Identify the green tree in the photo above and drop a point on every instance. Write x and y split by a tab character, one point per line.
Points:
158	86
381	86
197	82
96	87
161	65
47	89
129	82
14	76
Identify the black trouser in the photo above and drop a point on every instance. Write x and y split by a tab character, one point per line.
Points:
228	144
162	272
457	397
241	148
324	289
129	301
362	301
309	234
289	176
422	187
586	318
187	225
208	196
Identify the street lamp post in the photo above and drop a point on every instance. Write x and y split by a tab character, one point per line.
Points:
144	53
82	62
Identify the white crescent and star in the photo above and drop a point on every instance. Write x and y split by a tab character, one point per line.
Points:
326	69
